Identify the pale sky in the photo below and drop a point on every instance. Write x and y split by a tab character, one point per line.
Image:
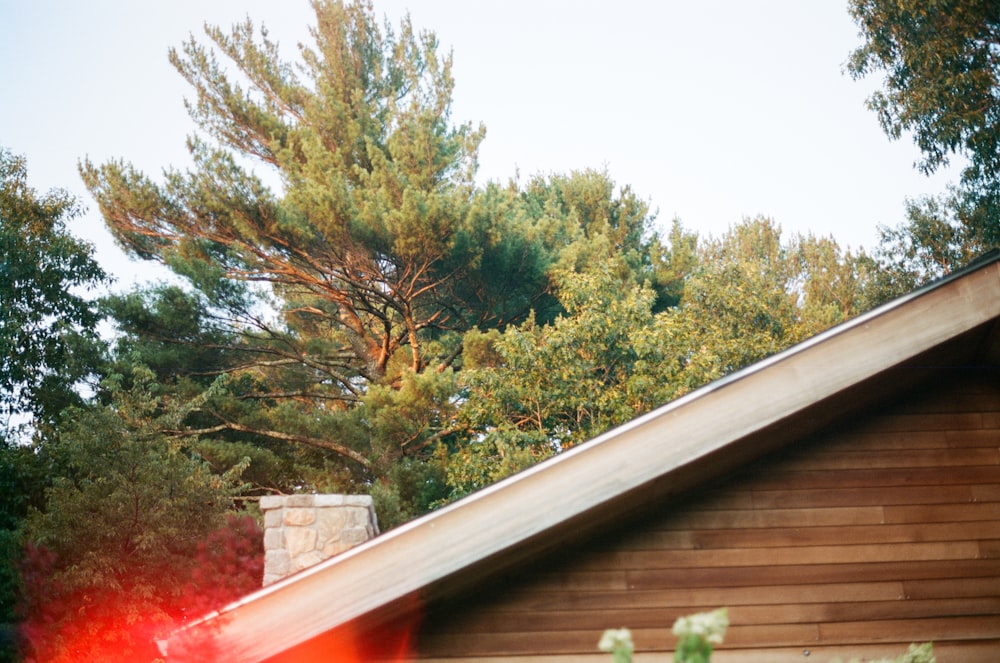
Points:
712	111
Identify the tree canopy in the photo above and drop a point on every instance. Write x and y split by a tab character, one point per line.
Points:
329	227
47	322
116	555
337	250
358	310
941	65
533	390
367	228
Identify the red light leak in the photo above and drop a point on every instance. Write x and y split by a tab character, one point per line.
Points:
345	648
392	641
390	644
100	633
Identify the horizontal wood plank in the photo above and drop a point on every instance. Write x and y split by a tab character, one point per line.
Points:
884	441
599	580
989	549
693	518
973	438
855	497
986	493
914	630
828	613
775	478
985	400
816	555
527	621
938	513
850	460
539	598
952	587
930	421
770	575
793	537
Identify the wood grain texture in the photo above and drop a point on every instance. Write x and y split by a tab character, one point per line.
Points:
857	541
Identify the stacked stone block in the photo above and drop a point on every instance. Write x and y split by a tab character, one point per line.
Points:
303	530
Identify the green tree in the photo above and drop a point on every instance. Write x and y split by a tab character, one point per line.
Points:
337	250
112	551
23	479
48	342
536	389
357	267
48	346
196	356
367	232
755	292
932	242
941	62
738	306
836	284
243	406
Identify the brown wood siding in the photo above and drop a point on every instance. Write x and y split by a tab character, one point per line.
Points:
853	543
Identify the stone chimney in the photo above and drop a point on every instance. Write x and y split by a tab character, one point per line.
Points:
303	530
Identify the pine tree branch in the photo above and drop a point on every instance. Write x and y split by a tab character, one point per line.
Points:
276	435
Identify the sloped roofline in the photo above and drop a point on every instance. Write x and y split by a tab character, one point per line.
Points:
541	500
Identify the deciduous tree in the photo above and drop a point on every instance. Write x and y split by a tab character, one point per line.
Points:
48	342
934	240
535	389
941	65
110	554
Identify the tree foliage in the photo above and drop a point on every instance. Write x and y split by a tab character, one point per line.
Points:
23	478
368	229
47	338
337	249
333	238
110	556
48	346
932	242
941	62
533	390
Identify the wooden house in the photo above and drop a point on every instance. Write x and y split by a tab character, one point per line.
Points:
842	499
